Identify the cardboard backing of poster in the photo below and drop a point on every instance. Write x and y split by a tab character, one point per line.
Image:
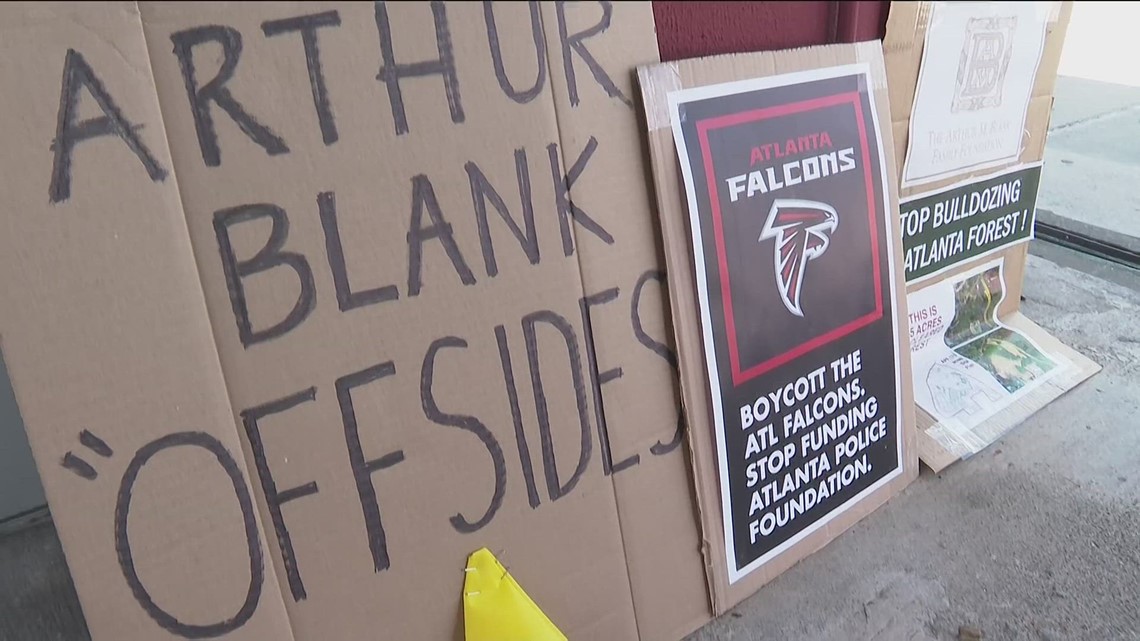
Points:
903	46
768	189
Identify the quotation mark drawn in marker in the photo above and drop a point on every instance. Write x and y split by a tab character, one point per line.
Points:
79	466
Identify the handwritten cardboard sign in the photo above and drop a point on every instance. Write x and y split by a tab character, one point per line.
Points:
310	301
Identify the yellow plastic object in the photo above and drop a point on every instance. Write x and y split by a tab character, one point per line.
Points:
495	608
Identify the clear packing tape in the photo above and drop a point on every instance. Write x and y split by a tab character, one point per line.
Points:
659	80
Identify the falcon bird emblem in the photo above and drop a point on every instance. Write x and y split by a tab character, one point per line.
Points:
802	230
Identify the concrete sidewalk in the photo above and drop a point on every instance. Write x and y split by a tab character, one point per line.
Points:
1036	538
1092	158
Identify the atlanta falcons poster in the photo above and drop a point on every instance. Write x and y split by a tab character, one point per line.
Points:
792	240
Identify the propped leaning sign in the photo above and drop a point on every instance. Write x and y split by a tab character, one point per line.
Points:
792	326
974	87
788	212
975	81
304	302
977	374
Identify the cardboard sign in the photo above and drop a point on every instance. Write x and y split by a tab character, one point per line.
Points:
340	293
937	253
787	306
904	45
788	205
945	228
979	64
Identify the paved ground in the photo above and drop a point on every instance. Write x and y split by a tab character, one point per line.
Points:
1036	538
1092	159
37	598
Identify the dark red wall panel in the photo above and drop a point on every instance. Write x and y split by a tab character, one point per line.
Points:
693	29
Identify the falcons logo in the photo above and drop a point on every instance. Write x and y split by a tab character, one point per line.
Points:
802	229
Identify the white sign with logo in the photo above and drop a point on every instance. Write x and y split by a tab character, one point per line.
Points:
978	67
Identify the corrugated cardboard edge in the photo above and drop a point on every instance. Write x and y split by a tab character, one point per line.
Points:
656	81
1080	368
167	335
